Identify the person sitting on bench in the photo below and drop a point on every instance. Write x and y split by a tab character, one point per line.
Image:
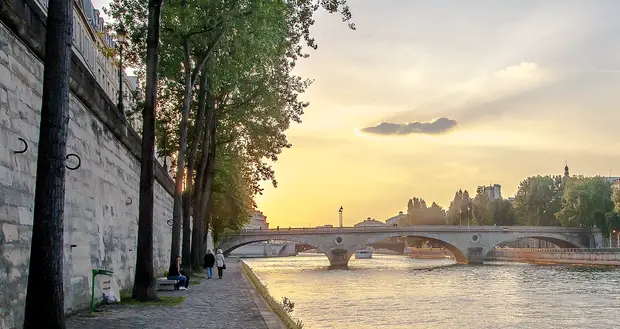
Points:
175	273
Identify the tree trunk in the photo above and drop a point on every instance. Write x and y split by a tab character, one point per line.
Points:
177	210
199	248
199	214
191	163
144	283
45	294
187	230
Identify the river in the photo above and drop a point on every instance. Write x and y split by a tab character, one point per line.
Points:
399	292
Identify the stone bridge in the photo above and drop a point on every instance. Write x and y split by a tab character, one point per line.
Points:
468	244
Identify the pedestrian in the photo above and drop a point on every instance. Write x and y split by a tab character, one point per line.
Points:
176	273
209	261
220	263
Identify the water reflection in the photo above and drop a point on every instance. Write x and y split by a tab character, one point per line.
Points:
399	292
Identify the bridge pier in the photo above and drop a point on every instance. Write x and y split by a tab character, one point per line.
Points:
339	258
475	256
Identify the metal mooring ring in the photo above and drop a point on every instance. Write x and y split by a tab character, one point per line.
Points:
25	146
78	158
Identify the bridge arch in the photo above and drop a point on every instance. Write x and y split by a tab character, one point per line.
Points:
459	254
233	242
560	242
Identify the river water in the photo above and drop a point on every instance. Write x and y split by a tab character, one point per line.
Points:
400	292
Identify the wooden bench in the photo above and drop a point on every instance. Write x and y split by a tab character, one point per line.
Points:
164	282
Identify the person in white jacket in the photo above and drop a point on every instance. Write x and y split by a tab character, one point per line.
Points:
220	263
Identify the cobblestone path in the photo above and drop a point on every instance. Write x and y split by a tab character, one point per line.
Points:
222	304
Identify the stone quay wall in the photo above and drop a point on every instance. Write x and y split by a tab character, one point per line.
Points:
605	257
101	209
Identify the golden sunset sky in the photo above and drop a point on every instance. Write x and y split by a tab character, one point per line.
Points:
529	85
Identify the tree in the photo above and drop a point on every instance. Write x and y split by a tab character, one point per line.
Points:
232	194
586	202
501	213
45	293
251	95
144	283
538	199
192	19
436	215
615	197
481	212
256	96
419	214
460	210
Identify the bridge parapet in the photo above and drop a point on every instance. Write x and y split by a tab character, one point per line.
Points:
468	244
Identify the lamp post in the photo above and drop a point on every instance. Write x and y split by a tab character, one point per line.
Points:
460	217
340	215
468	214
121	33
617	238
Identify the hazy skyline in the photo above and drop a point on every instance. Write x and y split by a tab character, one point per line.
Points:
428	97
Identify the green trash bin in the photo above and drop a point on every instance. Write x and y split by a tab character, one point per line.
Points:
92	293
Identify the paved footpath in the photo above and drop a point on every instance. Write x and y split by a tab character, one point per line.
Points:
222	304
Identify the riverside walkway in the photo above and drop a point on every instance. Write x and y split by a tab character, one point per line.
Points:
220	304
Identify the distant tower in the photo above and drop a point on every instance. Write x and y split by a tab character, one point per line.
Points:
566	174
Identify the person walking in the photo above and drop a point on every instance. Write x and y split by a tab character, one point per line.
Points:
209	261
220	263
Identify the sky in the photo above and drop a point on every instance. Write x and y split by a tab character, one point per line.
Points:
428	97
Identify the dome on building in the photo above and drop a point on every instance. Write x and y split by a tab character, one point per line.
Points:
370	222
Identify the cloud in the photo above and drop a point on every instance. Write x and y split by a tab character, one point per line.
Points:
435	127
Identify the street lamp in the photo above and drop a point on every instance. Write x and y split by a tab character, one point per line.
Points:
617	238
468	213
460	217
340	215
121	33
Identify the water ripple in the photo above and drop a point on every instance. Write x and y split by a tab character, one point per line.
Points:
399	292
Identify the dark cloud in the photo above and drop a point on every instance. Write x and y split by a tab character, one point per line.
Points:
436	127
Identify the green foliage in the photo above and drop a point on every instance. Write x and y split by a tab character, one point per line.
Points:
248	50
615	197
491	212
162	301
233	191
288	305
461	209
501	213
587	202
419	214
538	199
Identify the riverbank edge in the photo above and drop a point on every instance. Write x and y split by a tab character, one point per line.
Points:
555	261
276	307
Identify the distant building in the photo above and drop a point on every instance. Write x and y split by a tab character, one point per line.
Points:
512	200
258	221
370	222
494	192
396	219
614	181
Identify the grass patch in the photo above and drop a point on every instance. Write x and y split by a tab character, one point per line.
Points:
276	307
196	277
163	301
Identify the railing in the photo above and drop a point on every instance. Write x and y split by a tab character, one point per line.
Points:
425	229
88	41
